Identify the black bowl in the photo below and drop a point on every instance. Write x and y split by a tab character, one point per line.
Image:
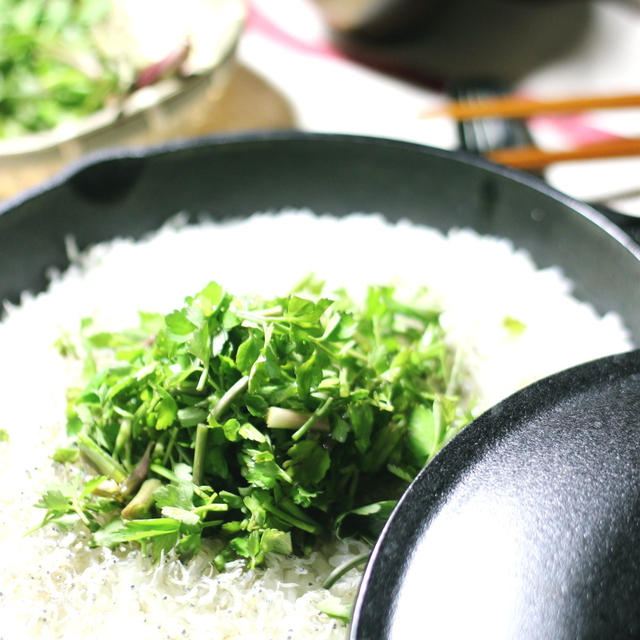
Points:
132	192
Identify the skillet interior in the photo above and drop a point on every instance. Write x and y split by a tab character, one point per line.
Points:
132	192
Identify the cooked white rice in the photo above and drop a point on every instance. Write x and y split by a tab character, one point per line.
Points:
54	586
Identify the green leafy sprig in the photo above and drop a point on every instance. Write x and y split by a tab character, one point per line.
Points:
51	68
265	423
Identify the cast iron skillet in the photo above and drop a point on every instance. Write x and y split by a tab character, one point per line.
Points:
588	448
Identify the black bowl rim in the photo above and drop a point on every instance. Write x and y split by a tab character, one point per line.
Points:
285	136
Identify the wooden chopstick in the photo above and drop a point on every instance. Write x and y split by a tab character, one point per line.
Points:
534	158
514	107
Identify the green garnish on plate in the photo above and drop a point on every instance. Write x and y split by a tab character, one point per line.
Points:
51	67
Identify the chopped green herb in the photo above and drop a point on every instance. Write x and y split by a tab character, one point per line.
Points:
264	423
66	455
51	68
4	435
339	571
335	610
514	326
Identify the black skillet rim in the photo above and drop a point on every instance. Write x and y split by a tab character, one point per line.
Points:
267	137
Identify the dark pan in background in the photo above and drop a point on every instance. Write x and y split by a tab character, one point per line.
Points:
380	20
439	42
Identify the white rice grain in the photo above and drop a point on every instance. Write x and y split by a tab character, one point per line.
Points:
55	586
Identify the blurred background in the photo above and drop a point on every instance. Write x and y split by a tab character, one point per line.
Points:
391	68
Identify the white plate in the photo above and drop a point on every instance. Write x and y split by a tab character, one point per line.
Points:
171	108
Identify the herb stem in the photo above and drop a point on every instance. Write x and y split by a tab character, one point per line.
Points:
318	413
350	352
122	412
183	456
214	506
292	520
123	442
279	418
100	459
233	391
290	507
142	501
203	376
172	441
139	473
340	570
164	472
202	431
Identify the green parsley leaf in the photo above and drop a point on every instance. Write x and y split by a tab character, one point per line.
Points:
66	455
309	462
423	433
514	326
